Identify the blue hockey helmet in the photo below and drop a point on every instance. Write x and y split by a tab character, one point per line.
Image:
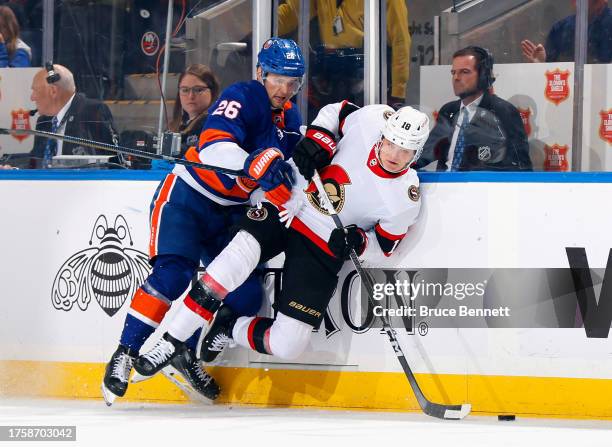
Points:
281	56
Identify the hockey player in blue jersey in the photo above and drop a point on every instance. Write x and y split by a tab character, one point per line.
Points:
252	126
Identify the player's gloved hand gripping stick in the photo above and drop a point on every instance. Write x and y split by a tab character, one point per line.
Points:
275	176
440	411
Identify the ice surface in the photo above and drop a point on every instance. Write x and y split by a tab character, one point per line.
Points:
152	424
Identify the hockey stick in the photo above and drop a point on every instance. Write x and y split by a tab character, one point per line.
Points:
430	408
122	150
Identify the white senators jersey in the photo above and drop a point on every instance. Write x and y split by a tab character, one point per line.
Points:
383	204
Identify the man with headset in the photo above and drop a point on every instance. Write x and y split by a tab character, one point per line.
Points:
64	111
479	131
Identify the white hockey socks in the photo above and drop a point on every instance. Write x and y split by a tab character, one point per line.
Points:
223	275
234	264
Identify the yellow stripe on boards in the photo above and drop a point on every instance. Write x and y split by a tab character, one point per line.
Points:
522	396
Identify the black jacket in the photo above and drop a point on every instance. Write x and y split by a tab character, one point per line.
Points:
495	138
86	118
191	137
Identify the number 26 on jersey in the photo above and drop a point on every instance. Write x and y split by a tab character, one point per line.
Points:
229	109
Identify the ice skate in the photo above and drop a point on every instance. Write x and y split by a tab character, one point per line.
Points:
219	336
158	357
117	374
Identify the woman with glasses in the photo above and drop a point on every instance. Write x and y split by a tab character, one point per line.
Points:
198	88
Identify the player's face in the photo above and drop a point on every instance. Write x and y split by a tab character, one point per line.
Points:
394	158
194	94
465	75
42	95
280	88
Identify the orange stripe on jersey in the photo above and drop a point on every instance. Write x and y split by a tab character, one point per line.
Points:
387	235
212	180
210	135
149	306
162	199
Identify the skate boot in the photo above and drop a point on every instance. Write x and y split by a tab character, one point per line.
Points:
188	366
219	335
159	356
117	374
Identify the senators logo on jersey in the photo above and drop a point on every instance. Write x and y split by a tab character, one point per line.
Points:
334	177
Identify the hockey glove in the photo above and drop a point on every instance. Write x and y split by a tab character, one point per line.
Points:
314	151
274	175
343	240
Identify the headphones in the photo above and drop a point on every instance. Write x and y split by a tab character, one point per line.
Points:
485	67
52	75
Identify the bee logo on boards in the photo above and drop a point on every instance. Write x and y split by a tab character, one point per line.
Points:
107	271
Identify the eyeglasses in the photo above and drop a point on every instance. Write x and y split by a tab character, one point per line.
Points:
197	90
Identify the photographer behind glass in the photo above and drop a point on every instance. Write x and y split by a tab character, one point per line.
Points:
479	131
66	112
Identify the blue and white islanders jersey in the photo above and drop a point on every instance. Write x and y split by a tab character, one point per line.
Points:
239	122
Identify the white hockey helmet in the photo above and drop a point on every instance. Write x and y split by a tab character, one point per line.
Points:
408	128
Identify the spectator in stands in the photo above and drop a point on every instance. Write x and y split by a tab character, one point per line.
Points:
67	112
479	131
198	88
559	46
338	62
14	52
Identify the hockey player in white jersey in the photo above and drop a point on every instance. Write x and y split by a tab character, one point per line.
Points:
376	194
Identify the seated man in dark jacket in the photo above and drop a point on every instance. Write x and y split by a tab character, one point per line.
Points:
66	112
480	131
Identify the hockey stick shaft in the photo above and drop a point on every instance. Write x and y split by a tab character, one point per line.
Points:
430	408
122	150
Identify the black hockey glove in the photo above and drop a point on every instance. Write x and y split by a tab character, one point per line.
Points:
342	240
315	151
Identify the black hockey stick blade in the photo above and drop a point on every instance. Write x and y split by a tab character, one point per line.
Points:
121	150
440	411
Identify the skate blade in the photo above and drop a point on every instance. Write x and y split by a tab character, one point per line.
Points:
176	378
108	395
140	378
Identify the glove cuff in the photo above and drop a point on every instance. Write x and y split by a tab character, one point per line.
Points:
364	243
256	165
323	138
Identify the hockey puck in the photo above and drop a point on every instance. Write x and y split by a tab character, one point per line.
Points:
506	417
